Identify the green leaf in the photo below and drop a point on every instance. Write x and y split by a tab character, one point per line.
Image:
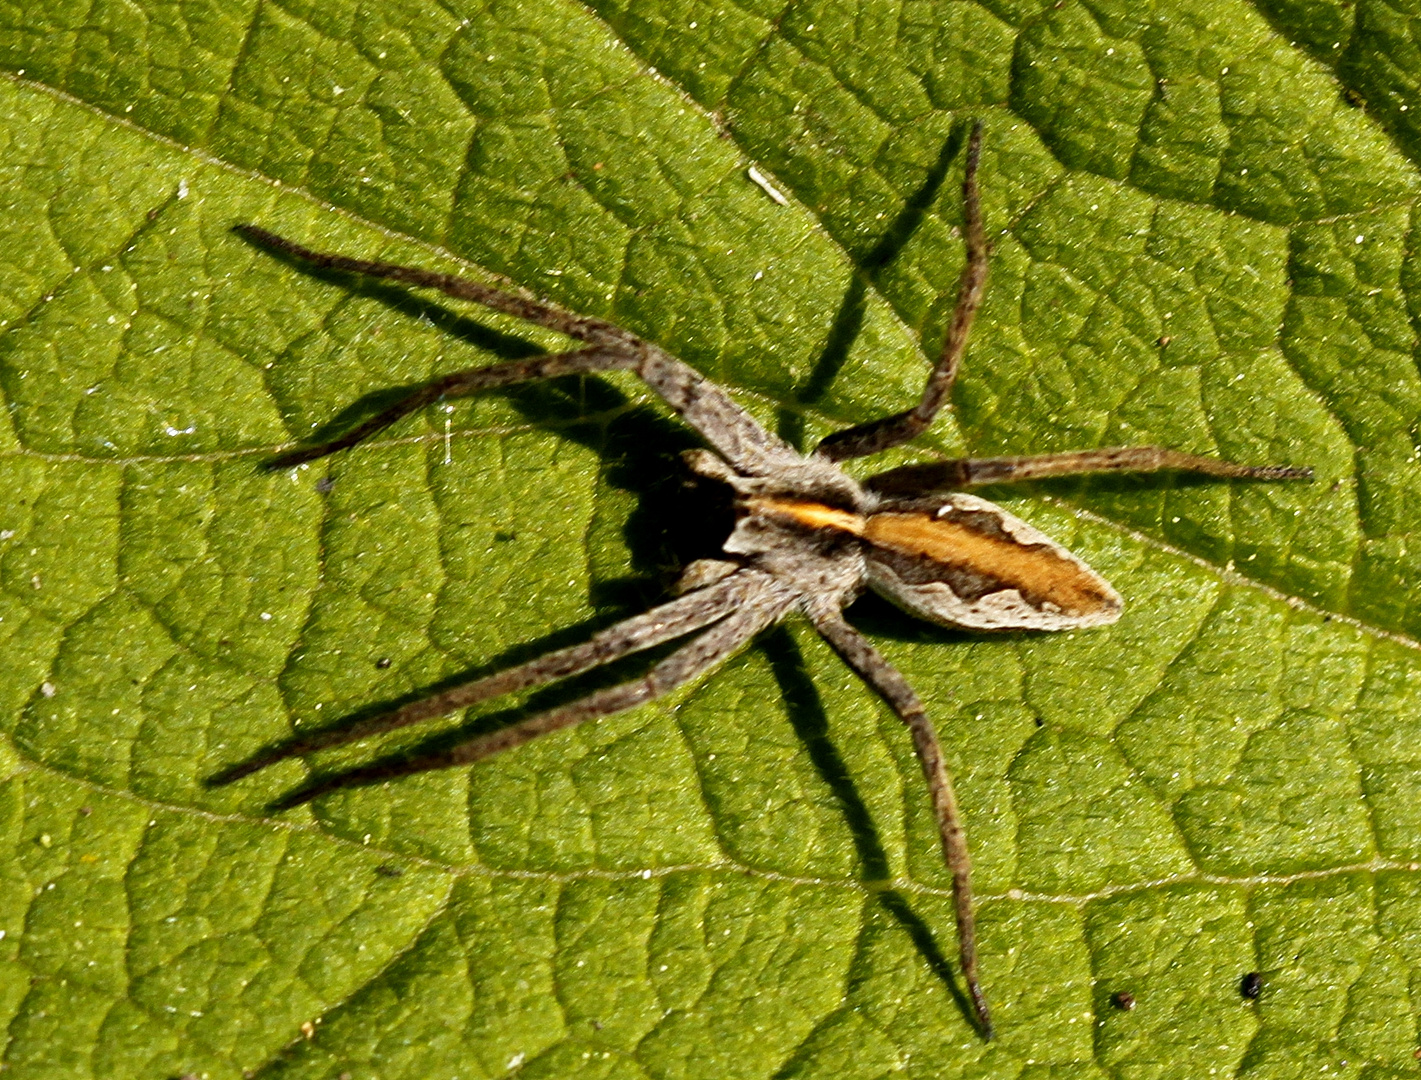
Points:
1204	237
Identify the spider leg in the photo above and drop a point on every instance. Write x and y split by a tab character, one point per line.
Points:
970	472
889	431
705	406
869	664
519	305
763	606
462	384
671	620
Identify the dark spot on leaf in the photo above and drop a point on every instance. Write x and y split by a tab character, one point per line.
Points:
1251	985
383	662
1123	1001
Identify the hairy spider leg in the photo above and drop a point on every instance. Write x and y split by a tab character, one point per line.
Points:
703	404
890	431
886	432
671	620
766	606
972	472
461	384
888	682
521	306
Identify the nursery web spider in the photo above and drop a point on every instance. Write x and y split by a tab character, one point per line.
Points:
808	538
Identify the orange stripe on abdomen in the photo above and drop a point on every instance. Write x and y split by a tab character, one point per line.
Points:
1039	573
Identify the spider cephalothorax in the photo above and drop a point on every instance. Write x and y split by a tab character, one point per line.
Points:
807	537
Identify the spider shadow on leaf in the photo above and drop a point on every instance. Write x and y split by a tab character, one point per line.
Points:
678	518
869	266
640	449
810	720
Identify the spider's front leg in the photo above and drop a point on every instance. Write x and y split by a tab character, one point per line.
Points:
699	604
462	384
760	605
701	403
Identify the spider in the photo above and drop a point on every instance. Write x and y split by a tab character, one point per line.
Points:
807	538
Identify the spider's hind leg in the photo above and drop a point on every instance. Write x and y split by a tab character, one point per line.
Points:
959	473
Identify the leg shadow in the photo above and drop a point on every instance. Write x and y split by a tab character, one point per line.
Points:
848	320
811	723
679	517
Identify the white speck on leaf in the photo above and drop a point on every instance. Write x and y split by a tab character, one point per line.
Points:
763	183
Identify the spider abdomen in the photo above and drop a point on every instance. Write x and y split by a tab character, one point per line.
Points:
967	562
